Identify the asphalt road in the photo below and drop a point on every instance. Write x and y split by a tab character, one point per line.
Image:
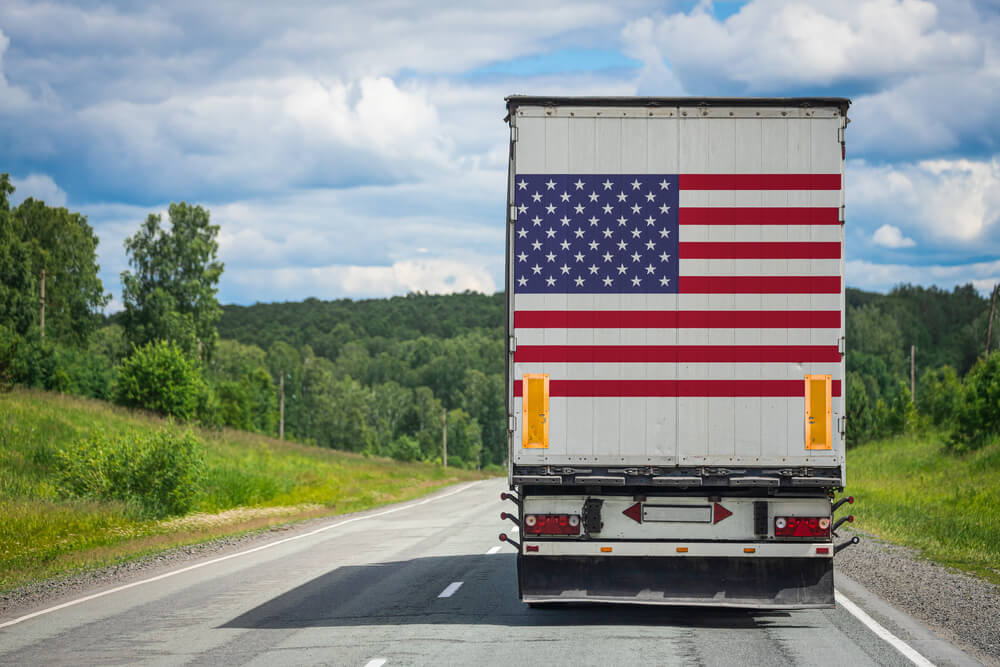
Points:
384	586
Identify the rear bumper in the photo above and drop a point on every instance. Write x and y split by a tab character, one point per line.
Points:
754	583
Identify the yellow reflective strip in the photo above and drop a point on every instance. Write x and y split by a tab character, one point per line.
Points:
535	411
818	391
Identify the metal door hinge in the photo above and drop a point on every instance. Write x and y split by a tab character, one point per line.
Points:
512	347
513	213
513	133
842	213
842	425
841	346
511	423
840	134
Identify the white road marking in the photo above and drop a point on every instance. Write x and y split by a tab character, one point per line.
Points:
884	634
375	662
493	550
450	590
165	575
515	529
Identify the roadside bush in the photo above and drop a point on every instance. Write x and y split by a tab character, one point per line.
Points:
9	343
405	448
902	416
156	473
939	392
158	376
977	418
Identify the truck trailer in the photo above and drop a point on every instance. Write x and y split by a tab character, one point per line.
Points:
675	336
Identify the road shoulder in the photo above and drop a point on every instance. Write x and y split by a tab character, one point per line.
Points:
886	579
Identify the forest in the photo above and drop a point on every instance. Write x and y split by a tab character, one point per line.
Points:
385	377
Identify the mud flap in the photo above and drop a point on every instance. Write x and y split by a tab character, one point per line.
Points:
753	583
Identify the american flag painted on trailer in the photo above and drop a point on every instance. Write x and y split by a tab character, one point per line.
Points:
676	311
605	234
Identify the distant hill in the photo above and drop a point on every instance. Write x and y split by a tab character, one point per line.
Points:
311	321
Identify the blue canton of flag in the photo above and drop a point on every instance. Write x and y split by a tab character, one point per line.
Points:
595	234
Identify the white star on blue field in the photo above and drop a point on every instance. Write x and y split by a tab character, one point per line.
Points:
357	150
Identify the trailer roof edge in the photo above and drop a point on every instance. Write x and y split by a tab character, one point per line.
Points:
514	101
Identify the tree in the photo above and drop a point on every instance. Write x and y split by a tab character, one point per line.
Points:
172	293
63	247
977	419
483	398
36	238
465	439
17	282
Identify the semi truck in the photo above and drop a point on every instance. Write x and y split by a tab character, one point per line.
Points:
675	337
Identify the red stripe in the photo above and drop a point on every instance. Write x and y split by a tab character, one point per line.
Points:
676	353
760	250
677	319
759	181
683	388
694	215
759	284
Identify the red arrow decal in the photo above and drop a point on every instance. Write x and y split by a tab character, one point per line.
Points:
719	513
634	512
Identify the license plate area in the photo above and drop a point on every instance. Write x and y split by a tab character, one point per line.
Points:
676	513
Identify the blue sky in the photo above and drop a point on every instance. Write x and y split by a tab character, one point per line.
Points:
357	150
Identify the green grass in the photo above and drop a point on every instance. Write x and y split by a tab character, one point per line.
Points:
910	491
44	533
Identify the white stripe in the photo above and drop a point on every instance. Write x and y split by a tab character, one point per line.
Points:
771	233
768	198
704	371
493	550
375	662
677	336
166	575
450	589
692	268
911	654
677	301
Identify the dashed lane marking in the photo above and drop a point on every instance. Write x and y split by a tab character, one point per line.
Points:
450	589
911	654
375	662
493	550
165	575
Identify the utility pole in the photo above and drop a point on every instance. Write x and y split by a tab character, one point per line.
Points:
444	437
41	319
913	375
281	406
989	326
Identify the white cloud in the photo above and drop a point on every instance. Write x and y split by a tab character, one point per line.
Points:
957	201
38	186
267	135
888	236
770	43
436	276
11	97
883	277
931	112
452	218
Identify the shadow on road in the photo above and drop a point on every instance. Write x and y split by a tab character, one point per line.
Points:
406	592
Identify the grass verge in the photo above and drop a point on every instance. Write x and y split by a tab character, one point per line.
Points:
248	482
909	490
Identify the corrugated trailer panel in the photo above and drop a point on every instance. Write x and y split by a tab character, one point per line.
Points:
759	285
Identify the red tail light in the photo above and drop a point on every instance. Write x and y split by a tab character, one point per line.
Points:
552	524
801	526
